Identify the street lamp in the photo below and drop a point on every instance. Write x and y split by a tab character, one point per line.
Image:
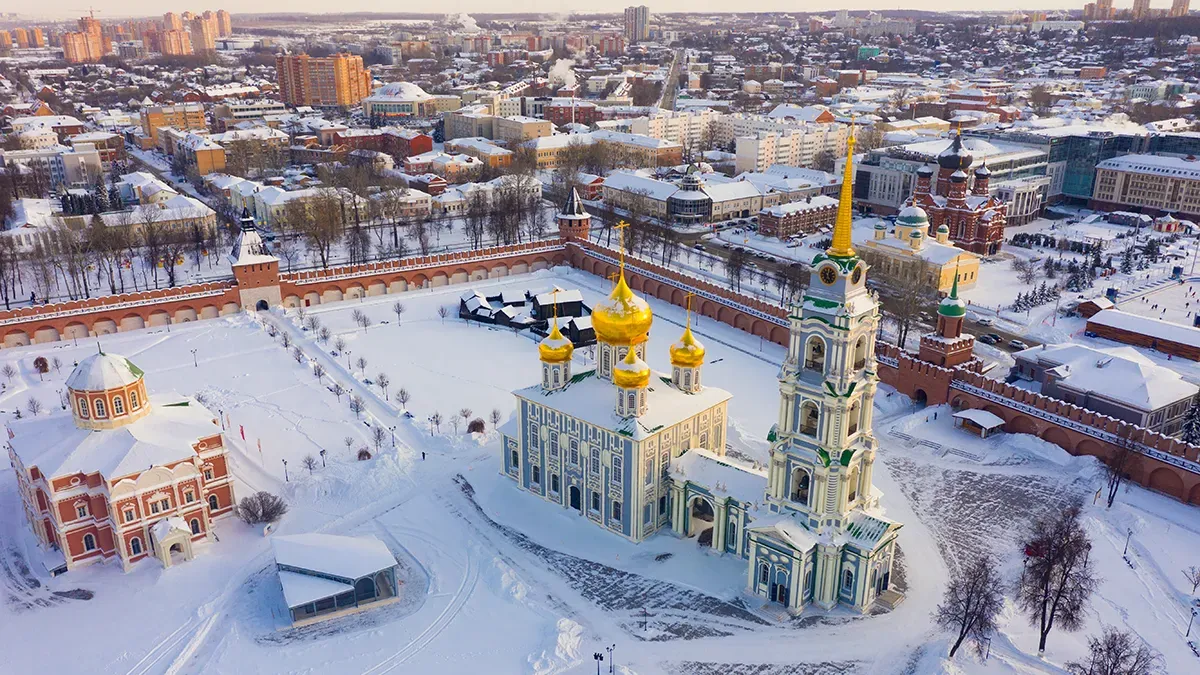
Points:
598	658
393	428
611	663
322	457
195	363
1190	620
1127	537
285	473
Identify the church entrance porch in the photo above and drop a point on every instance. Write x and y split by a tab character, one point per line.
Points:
700	521
576	500
172	541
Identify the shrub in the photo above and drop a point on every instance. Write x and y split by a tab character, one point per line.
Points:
476	426
261	507
363	454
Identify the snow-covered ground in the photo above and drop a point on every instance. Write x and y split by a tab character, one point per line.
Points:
497	580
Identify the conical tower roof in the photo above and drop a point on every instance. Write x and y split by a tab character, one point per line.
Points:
573	209
841	246
952	305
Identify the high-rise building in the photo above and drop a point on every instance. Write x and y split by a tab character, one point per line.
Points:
5	40
171	21
1141	10
36	37
87	45
338	81
20	38
204	35
175	43
1179	7
224	23
637	23
1104	10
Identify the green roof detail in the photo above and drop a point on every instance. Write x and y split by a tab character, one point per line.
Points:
847	455
951	305
134	369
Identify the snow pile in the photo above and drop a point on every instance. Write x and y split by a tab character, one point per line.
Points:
509	582
566	650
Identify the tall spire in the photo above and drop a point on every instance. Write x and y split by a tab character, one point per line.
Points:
841	246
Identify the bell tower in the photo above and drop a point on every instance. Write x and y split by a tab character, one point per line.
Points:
947	346
823	450
255	270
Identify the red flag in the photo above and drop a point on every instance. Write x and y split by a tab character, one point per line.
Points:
242	429
10	433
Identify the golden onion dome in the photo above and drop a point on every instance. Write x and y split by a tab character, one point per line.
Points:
688	352
631	372
555	348
622	318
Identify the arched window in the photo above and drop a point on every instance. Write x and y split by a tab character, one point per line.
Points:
554	444
604	360
83	408
814	354
89	542
860	353
100	408
852	485
537	474
195	523
687	379
118	405
764	573
848	580
810	415
854	415
631	401
556	376
134	403
213	503
135	546
801	481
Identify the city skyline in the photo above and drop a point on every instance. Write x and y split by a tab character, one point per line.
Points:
119	9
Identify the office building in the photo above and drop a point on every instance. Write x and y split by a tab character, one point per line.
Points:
637	23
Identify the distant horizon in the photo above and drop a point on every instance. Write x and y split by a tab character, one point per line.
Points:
58	10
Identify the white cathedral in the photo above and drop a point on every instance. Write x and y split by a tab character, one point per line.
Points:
635	451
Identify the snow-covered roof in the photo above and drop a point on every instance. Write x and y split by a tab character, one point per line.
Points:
59	448
721	475
301	589
101	372
1161	165
398	91
628	181
548	297
592	399
983	418
1156	328
816	203
787	529
1119	374
331	554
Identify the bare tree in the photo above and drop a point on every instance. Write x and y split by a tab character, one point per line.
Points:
312	323
465	414
454	420
496	417
402	396
1027	271
735	268
339	345
9	372
324	335
361	363
1117	652
57	363
382	381
435	420
309	462
323	224
398	310
971	603
1058	580
34	406
348	441
298	354
286	339
1116	463
318	371
338	390
377	436
362	320
261	507
443	312
1193	576
357	405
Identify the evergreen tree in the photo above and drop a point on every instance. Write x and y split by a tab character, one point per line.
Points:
1127	260
1152	250
1095	257
1049	268
1190	432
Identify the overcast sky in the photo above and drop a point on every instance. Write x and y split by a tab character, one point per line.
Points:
124	8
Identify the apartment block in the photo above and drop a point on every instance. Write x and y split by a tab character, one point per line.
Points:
338	81
181	116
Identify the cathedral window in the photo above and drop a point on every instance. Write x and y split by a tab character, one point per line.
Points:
554	483
801	481
213	503
100	408
533	434
574	446
537	475
810	414
616	510
605	357
208	474
556	378
854	414
649	470
89	542
134	404
848	580
687	379
195	523
665	465
618	470
662	505
83	408
135	546
860	353
81	511
129	515
595	464
118	406
814	356
554	445
764	573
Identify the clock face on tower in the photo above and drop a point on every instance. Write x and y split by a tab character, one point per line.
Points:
828	275
856	276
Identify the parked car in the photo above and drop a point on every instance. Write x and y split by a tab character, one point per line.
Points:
698	247
995	336
1017	345
984	321
1090	333
987	339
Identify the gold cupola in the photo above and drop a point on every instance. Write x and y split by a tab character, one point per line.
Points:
622	318
555	348
688	352
631	372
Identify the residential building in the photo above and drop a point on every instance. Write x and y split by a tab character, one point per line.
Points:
87	45
204	36
1117	382
469	121
57	166
230	112
175	42
198	152
913	254
110	146
224	23
405	99
180	116
171	21
482	149
797	218
518	129
123	476
802	146
637	24
337	81
1153	184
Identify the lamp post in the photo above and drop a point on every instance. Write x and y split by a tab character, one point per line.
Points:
1127	537
393	429
322	457
1190	620
195	363
285	473
611	663
598	657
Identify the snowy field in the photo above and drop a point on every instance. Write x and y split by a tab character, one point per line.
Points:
500	581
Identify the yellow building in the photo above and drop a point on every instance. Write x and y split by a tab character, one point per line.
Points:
912	254
181	116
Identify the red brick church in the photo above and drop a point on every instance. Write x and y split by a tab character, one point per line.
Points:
975	218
